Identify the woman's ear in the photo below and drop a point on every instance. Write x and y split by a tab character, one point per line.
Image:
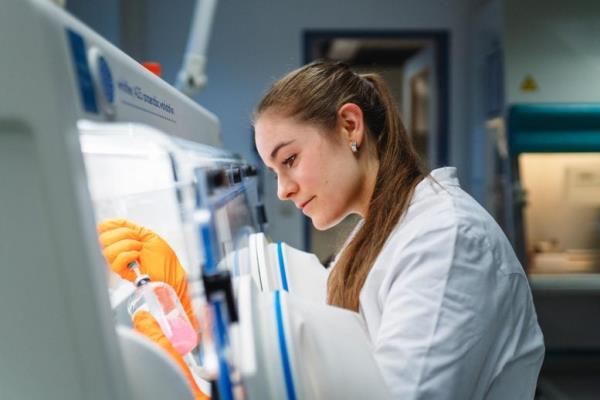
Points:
351	123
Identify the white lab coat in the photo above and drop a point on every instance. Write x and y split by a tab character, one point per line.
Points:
447	304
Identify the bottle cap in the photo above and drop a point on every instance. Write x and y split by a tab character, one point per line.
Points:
140	279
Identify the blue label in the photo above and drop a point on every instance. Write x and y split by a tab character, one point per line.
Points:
82	70
106	80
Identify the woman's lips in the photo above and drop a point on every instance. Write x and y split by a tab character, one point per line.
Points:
306	203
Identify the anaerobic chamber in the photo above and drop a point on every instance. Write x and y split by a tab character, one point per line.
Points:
269	333
554	212
86	134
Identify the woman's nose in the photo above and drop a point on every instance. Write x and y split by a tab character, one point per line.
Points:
286	188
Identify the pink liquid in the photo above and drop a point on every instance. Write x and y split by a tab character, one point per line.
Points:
183	337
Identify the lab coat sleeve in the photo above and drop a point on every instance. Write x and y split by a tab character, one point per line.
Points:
436	313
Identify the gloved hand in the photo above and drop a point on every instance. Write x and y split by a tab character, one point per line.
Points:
124	242
144	323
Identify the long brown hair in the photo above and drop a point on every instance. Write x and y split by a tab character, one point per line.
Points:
313	94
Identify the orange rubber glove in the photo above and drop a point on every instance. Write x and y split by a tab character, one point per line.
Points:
144	323
124	242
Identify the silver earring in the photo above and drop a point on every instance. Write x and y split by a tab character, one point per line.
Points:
354	146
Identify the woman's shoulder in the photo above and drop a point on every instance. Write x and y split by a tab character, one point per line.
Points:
445	224
439	202
440	213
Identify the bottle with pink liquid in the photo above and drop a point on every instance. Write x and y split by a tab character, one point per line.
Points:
160	300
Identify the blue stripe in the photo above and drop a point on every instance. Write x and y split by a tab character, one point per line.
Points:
284	283
210	265
82	71
285	361
223	380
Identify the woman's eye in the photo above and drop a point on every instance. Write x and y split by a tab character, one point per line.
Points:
288	162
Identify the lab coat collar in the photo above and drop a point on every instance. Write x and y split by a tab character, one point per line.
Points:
443	176
437	180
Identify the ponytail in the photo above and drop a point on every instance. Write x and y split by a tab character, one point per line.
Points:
400	171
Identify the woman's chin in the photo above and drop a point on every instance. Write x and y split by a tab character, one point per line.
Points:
322	224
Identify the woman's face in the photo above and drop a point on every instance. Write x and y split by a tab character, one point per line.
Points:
315	169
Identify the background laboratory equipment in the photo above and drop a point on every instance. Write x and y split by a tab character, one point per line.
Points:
552	172
557	165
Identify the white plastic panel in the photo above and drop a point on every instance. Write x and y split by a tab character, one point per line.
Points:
130	174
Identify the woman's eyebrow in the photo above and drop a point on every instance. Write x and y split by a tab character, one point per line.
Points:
279	146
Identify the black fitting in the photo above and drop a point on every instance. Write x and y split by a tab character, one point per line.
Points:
220	283
249	170
216	178
236	175
261	214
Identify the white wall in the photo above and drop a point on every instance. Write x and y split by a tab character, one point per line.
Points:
255	42
557	43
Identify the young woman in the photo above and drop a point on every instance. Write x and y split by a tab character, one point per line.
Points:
445	301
